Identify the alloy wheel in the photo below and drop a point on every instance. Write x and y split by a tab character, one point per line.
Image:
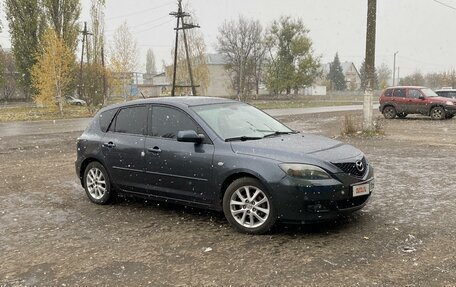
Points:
437	113
96	183
250	206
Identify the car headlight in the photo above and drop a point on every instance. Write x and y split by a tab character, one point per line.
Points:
305	171
448	103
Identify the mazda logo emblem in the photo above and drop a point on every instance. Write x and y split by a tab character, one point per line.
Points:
359	165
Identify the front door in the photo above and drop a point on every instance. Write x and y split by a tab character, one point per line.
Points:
400	101
178	170
417	105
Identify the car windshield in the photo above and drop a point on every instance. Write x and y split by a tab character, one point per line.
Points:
429	93
239	121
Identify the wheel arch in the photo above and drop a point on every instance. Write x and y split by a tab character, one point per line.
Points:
236	175
435	105
388	105
84	165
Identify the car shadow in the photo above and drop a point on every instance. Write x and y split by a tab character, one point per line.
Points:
190	214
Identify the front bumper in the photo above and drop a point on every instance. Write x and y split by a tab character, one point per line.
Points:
306	202
450	109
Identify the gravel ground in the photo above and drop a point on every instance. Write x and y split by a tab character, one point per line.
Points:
51	235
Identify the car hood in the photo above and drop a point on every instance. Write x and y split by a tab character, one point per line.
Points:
303	148
442	100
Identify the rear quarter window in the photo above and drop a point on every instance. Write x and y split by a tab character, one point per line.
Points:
105	119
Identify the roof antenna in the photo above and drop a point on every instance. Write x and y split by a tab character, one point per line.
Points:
142	95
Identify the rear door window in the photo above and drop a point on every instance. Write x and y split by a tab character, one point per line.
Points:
399	93
388	93
131	120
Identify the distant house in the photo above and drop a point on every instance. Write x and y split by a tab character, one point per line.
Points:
220	83
352	76
156	85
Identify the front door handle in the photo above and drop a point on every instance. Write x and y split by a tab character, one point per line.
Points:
109	144
155	150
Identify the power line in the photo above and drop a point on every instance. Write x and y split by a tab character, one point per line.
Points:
141	11
153	27
445	4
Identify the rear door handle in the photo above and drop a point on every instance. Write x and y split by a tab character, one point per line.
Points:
109	145
155	149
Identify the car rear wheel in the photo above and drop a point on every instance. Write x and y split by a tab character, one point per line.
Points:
248	206
389	112
437	113
401	115
97	184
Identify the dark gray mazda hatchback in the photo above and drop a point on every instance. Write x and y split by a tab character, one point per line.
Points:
224	155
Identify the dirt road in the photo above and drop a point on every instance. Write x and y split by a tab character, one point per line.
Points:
51	235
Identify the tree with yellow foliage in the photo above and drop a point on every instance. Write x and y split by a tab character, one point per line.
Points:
52	72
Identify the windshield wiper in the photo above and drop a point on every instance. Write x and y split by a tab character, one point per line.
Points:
242	138
276	133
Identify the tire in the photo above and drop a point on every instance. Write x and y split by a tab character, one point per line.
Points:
437	113
449	116
248	207
389	112
97	183
401	115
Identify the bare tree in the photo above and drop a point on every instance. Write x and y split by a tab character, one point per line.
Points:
150	62
96	43
383	75
8	81
241	41
123	58
62	16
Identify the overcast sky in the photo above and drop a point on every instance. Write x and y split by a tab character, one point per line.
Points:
423	31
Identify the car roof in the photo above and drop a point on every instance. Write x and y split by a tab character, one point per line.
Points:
179	101
446	90
407	87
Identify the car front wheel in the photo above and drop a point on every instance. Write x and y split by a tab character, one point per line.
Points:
248	206
97	184
389	112
437	113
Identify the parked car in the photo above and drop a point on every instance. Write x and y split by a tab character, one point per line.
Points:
446	93
404	100
223	155
74	101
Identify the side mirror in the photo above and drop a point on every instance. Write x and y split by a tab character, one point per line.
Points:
421	97
190	136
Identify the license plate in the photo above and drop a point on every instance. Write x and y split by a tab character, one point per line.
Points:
361	189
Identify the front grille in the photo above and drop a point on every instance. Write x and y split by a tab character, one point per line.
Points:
351	202
351	169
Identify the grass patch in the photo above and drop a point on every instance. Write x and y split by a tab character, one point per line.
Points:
47	113
352	126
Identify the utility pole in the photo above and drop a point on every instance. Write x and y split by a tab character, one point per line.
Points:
85	33
180	15
394	68
370	64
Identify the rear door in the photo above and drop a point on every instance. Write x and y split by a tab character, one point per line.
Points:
178	170
400	101
123	148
